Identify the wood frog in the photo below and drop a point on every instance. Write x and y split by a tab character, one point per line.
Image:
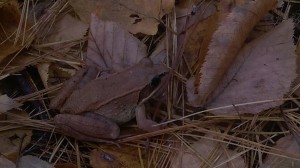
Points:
95	110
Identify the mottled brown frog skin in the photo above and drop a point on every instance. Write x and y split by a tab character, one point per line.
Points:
113	97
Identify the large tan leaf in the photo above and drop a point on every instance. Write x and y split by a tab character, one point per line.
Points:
136	15
288	144
226	43
264	70
207	153
112	47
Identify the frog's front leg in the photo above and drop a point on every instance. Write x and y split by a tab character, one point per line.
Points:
87	126
142	121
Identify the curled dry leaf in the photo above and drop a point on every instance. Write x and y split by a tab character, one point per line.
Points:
226	43
264	70
288	144
136	16
112	47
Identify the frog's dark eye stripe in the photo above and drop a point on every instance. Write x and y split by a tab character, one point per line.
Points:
155	81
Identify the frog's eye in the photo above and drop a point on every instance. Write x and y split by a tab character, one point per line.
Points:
156	80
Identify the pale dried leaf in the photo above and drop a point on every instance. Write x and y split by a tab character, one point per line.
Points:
264	70
112	47
7	103
29	161
288	144
226	43
207	153
66	29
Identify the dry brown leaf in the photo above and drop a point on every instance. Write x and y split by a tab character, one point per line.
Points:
199	25
226	43
198	41
66	29
264	70
29	161
136	16
207	153
7	103
112	156
9	20
288	144
112	47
